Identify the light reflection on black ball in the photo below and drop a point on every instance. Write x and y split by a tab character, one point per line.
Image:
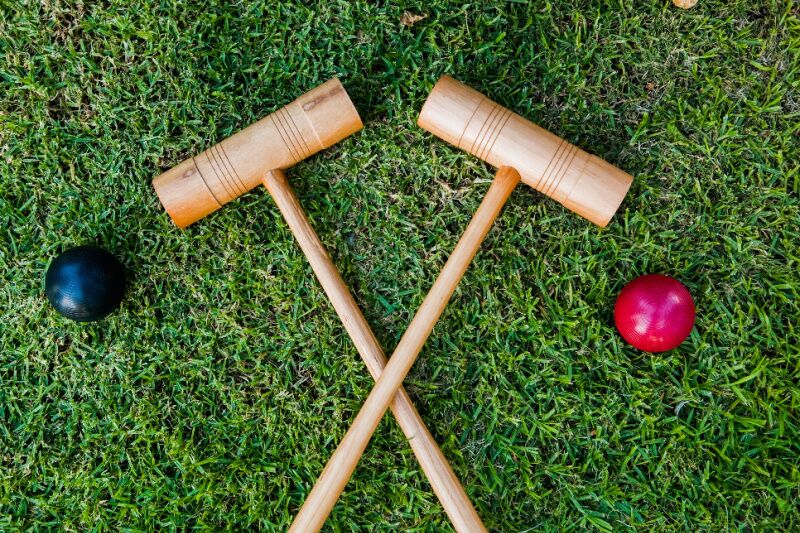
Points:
85	283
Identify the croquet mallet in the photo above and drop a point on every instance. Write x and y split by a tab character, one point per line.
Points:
258	154
464	117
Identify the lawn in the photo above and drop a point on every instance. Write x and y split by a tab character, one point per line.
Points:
213	398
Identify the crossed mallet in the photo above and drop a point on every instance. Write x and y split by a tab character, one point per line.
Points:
325	115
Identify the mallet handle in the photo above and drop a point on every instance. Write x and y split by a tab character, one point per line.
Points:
444	482
340	467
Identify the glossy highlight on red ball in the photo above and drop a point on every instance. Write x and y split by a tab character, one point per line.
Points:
654	313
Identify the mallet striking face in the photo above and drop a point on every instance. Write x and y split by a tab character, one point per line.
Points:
203	183
581	182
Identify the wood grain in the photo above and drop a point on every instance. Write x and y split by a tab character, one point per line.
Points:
442	478
340	467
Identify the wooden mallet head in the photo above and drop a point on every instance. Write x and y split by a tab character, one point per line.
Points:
202	184
578	180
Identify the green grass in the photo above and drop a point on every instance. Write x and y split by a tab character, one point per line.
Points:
214	397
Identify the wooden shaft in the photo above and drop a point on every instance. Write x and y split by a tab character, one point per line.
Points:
580	181
202	184
340	467
444	482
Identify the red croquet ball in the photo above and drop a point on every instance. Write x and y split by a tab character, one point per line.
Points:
654	313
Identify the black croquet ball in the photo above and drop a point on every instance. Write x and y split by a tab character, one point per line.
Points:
85	283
